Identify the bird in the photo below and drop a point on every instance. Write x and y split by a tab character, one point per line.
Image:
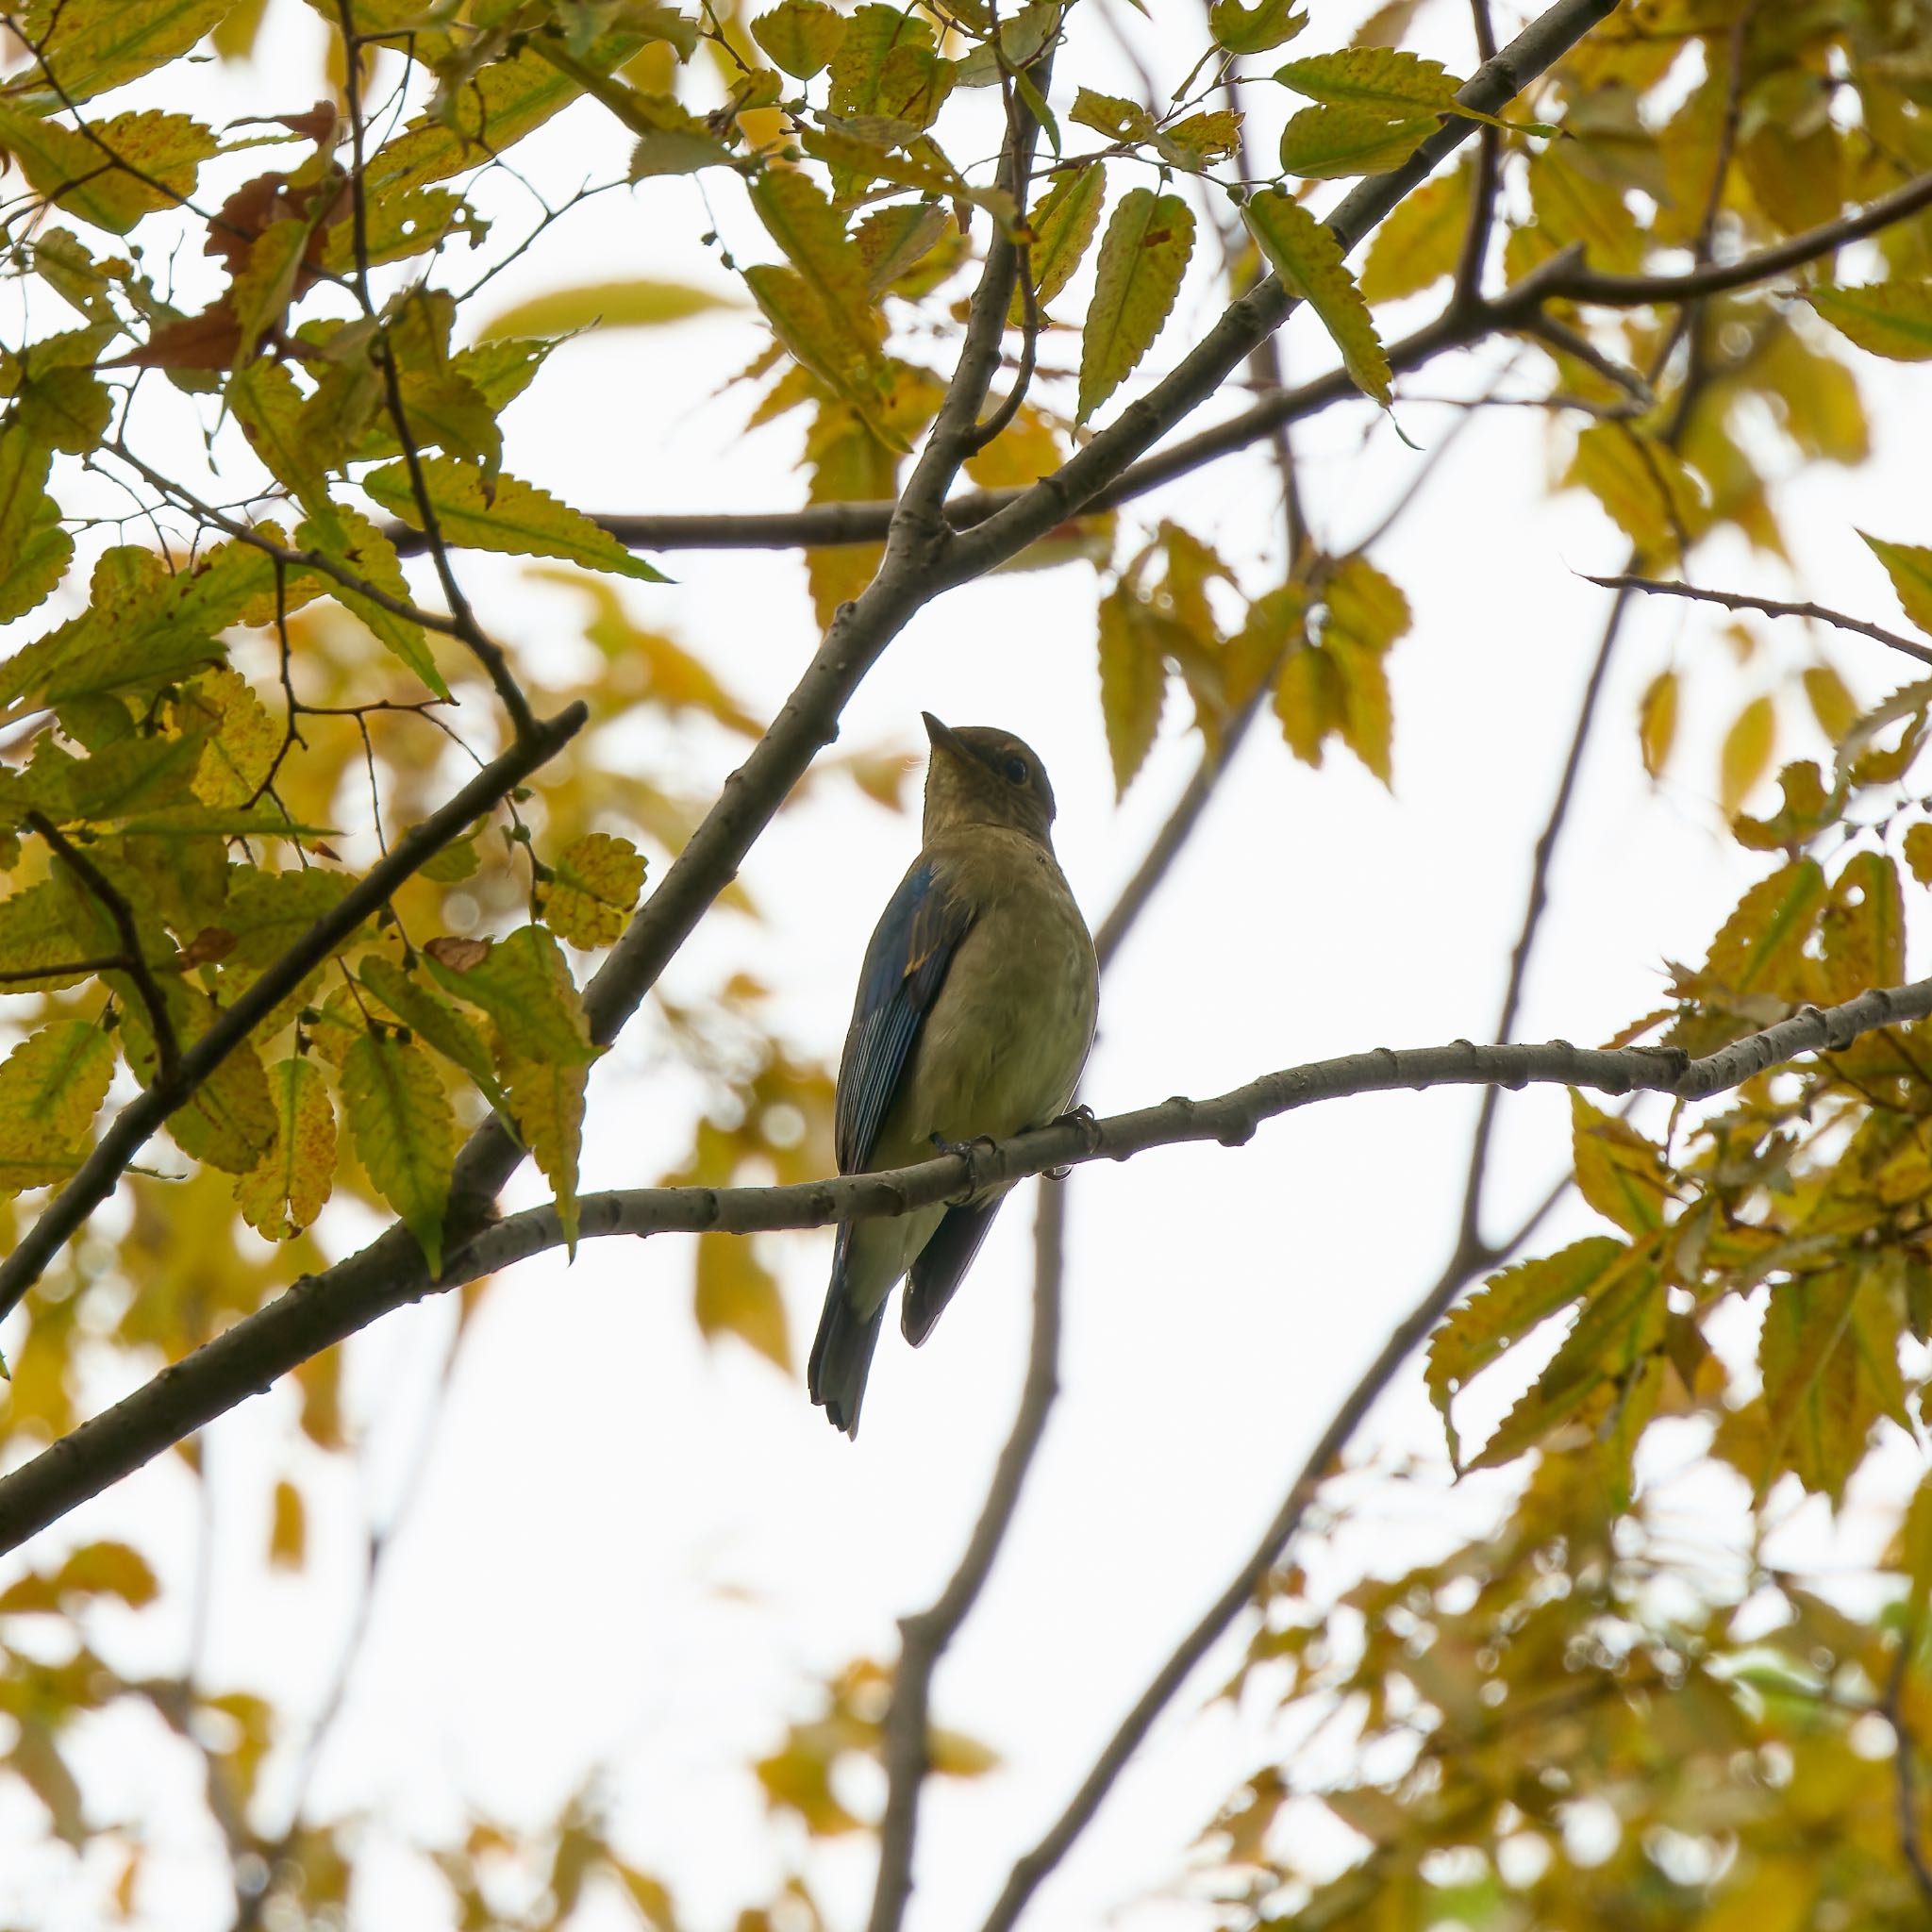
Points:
976	1011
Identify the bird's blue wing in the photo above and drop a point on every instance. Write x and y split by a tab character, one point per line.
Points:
904	967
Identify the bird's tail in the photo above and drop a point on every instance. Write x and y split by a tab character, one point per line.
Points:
841	1352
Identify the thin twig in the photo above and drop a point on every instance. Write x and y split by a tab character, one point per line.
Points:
1769	606
113	901
1482	204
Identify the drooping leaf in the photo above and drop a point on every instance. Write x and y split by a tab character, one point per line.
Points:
1645	487
522	982
736	1295
1421	241
1133	683
1308	257
1892	319
516	517
602	305
1909	567
281	1195
1144	255
1657	722
1063	227
1619	1173
1331	143
546	1102
1746	754
433	1020
34	550
403	1131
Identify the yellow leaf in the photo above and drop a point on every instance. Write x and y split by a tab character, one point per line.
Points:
1746	755
1062	225
737	1294
289	1532
1421	241
1832	705
1619	1173
286	1190
1909	566
1381	79
1645	487
1143	258
1308	257
636	303
1657	722
1133	684
800	36
546	1102
594	884
1917	848
522	982
51	1086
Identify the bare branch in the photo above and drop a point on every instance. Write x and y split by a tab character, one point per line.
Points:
319	1312
1771	607
1905	1749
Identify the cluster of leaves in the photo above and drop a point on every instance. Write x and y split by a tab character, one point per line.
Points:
1579	1721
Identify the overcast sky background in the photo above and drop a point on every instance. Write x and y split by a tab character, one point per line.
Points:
630	1550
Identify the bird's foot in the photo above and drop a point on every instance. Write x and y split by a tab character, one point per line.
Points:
966	1149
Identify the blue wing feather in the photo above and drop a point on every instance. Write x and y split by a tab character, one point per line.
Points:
904	967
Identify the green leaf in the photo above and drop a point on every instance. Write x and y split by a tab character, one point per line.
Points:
34	550
92	45
1893	319
595	884
1380	79
801	35
487	116
405	1133
1765	934
1328	143
886	67
1909	566
432	1019
135	775
1143	258
1254	29
34	934
1308	257
602	304
546	1102
1506	1308
1619	1173
516	517
269	912
1133	683
1863	928
1112	115
1063	225
1421	241
162	153
400	225
349	539
51	1086
230	1121
522	982
280	1197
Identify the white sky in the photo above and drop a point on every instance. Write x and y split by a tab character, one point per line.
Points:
632	1551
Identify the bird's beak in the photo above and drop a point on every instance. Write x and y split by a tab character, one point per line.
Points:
944	738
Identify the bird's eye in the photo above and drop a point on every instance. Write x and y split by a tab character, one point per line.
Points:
1016	771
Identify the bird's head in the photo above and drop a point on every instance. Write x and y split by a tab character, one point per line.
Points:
981	776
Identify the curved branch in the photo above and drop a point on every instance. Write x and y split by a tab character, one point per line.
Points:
319	1312
1771	607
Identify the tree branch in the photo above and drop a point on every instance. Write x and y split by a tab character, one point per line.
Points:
68	1212
1904	1759
321	1310
1771	607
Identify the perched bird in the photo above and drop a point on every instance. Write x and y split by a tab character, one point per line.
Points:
975	1009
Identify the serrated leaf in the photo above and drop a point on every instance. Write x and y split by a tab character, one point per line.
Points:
1767	931
516	517
594	885
1909	567
521	981
1619	1173
434	1019
1254	29
1381	80
1893	319
1816	1419
238	754
269	912
1506	1307
801	35
1918	849
1112	115
546	1102
34	934
1308	257
893	242
51	1086
403	1131
162	153
1143	258
1421	240
1331	143
92	45
1063	225
281	1195
885	66
1863	934
34	550
737	1294
1746	754
230	1121
347	538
